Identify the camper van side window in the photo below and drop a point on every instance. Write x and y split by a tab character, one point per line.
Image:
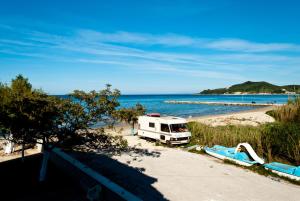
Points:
152	125
164	128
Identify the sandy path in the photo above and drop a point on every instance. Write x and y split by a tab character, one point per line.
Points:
187	176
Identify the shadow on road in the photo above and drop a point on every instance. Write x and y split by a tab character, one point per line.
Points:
130	178
19	182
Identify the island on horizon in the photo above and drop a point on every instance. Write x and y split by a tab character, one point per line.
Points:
250	87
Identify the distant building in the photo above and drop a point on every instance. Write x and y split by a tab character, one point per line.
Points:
289	92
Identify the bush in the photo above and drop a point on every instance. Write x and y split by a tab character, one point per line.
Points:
282	141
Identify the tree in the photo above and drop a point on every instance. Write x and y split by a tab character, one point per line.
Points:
81	111
130	115
21	108
32	116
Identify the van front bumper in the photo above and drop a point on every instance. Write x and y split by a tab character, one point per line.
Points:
180	140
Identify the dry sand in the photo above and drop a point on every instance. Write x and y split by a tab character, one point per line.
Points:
253	117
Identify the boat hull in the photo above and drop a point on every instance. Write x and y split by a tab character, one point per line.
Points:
293	177
222	157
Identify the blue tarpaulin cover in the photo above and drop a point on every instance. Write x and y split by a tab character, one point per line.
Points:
280	167
229	152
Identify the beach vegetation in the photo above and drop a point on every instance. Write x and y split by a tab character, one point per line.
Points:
229	135
287	113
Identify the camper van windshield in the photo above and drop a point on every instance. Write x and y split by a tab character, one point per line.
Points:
177	128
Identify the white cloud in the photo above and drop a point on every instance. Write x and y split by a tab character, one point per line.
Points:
173	40
127	50
138	38
248	46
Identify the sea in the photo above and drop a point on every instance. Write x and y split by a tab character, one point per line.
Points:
156	103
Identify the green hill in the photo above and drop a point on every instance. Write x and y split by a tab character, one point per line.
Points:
254	88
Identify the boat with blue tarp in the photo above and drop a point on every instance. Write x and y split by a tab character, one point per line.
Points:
292	172
245	158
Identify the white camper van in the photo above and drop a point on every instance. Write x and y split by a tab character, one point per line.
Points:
167	129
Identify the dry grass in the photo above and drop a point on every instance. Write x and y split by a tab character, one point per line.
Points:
229	135
289	112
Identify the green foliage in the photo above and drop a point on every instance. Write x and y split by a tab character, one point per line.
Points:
25	112
214	91
281	140
84	109
130	115
254	87
31	115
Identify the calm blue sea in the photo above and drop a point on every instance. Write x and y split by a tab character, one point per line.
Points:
155	103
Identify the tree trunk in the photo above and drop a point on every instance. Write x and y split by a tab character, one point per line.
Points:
132	129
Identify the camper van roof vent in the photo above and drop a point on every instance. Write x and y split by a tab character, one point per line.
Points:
153	115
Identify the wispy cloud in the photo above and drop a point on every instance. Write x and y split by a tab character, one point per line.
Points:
139	38
172	40
248	46
229	60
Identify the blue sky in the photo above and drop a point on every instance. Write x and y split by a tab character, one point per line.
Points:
143	47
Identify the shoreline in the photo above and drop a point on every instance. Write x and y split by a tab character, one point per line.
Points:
260	109
223	103
252	117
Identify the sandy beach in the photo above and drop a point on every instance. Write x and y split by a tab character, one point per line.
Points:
253	117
